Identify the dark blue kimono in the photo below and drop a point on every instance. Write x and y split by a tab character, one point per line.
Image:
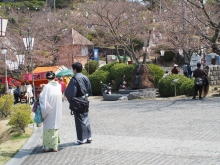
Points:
82	123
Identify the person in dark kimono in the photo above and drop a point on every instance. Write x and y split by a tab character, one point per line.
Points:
82	123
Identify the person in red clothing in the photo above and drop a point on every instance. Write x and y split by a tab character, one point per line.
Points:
63	87
175	70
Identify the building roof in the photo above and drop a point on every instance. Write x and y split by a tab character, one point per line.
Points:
55	69
74	38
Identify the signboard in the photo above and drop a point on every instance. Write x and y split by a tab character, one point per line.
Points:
37	76
96	54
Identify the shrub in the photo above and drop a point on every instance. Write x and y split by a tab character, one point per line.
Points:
166	85
108	66
84	72
96	79
187	87
156	71
21	117
120	68
6	103
91	66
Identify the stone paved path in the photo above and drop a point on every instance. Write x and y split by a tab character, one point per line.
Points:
141	132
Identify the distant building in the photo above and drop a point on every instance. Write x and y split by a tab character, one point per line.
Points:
73	47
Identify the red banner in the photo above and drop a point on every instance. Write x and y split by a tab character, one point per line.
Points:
11	81
37	76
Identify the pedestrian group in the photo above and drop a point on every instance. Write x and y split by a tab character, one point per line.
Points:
50	101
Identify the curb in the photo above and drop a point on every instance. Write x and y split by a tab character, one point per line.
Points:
27	148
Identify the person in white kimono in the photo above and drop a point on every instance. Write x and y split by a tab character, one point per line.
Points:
51	109
82	123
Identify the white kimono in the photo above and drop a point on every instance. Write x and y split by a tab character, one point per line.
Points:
51	105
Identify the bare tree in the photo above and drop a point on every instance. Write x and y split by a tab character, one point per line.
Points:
118	23
192	24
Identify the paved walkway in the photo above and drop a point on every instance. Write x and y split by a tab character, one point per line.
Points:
178	131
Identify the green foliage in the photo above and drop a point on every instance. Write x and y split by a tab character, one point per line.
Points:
120	68
91	66
108	66
84	72
19	136
32	5
168	56
21	117
6	103
166	85
96	78
156	71
2	88
187	87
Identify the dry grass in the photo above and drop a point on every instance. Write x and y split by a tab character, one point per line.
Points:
11	141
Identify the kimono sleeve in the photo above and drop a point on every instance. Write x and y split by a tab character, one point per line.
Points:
71	89
44	101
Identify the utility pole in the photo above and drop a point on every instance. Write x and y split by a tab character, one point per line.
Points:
54	6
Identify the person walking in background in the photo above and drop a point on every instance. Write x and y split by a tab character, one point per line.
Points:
165	74
17	95
63	87
175	70
82	123
29	93
199	75
51	110
189	70
185	70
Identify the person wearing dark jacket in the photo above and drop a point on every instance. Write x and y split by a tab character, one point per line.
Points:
17	94
82	123
198	73
175	70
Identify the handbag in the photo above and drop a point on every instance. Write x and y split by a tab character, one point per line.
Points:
79	104
38	116
199	81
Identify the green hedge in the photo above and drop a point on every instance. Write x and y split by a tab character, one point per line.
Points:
187	87
120	68
156	71
96	78
184	86
108	67
21	117
6	103
91	66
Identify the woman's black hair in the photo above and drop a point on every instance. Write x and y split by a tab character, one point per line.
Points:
77	66
50	75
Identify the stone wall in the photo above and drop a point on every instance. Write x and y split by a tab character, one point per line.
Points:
214	75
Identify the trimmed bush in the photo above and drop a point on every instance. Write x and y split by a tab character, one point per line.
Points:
108	67
120	68
21	117
96	79
156	71
6	103
84	72
91	66
187	87
166	85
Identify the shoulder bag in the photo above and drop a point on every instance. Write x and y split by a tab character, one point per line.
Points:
38	117
199	81
79	104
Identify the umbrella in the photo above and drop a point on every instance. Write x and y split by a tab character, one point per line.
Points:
67	72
